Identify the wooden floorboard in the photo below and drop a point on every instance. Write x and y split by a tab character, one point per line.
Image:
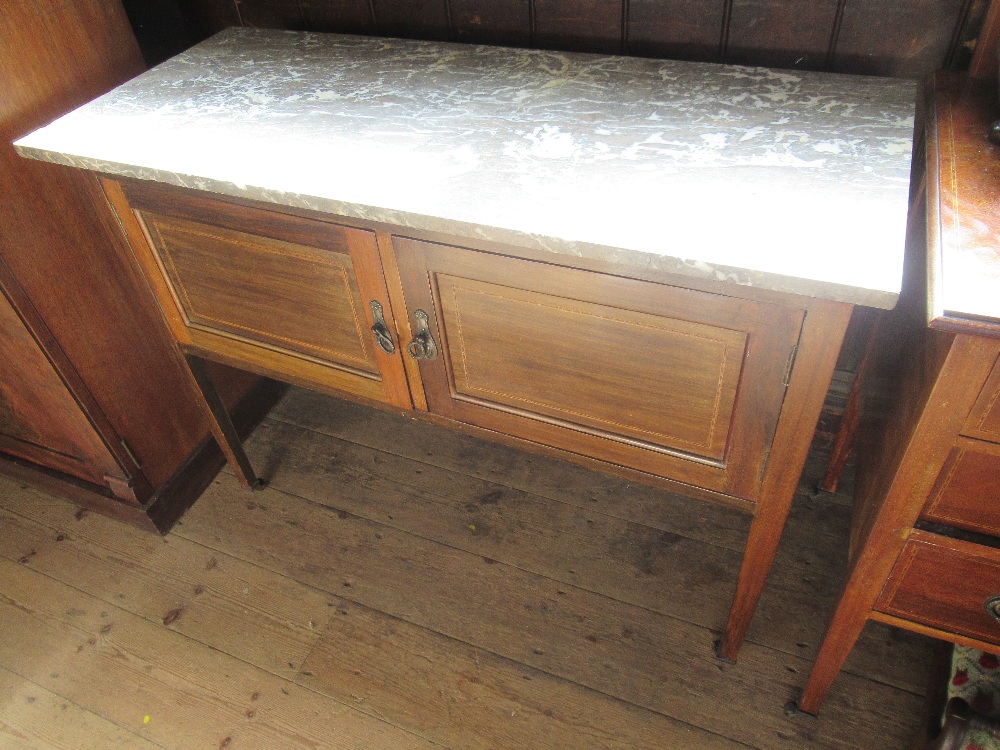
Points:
402	586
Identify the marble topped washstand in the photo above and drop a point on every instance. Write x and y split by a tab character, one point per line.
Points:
644	266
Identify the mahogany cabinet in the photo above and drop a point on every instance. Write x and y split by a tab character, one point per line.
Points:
925	547
599	260
95	404
704	387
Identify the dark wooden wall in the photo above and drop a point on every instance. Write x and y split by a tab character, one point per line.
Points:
903	38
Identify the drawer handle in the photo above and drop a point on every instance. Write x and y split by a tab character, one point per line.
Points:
992	607
423	345
383	336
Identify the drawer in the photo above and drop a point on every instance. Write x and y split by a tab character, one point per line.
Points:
947	584
279	294
966	492
984	419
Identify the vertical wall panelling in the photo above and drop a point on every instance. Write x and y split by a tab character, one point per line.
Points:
506	22
684	29
583	25
838	23
907	38
341	16
781	34
270	14
421	19
984	62
915	42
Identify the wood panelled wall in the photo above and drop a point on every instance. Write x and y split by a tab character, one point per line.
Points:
903	38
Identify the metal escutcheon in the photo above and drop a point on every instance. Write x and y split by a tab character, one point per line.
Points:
383	336
423	345
992	607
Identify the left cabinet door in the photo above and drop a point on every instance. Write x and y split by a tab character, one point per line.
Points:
40	420
299	299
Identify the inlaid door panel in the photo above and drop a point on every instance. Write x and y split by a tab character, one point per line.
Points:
289	296
40	420
668	380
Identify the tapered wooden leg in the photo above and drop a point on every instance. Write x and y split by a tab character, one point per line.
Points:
845	628
762	545
222	425
819	344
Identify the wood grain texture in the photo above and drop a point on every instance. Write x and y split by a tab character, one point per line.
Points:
224	279
780	34
984	419
917	41
506	22
38	719
569	635
412	672
629	543
984	61
95	648
421	19
343	17
278	294
965	494
944	583
678	29
62	246
579	25
556	356
808	381
46	424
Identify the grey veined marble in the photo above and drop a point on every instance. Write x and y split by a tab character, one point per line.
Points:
787	180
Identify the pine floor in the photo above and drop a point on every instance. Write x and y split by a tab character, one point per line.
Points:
402	586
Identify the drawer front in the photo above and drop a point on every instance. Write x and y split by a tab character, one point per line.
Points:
947	584
984	419
668	380
967	492
285	295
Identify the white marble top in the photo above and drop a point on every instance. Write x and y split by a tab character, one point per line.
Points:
792	181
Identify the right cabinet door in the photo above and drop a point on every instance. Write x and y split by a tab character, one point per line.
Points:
675	382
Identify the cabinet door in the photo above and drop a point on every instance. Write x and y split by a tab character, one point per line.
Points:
672	381
40	420
279	294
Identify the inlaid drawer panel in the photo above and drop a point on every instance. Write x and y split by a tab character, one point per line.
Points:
984	419
949	584
967	492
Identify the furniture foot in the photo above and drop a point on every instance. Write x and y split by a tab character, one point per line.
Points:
222	425
845	628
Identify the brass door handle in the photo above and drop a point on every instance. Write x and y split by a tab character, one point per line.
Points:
423	345
992	607
381	332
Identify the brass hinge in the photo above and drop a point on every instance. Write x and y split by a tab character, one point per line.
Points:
763	466
131	455
788	365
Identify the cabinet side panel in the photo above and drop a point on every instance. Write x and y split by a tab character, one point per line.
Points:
39	418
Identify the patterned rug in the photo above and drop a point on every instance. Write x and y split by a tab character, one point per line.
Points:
975	677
